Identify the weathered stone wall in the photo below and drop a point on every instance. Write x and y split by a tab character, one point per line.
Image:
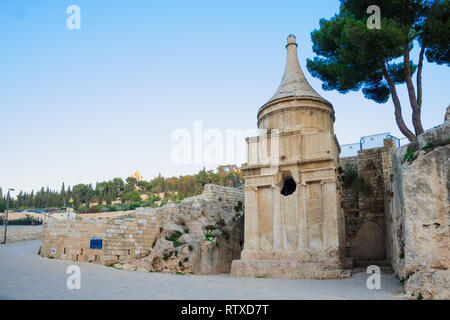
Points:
364	207
20	233
145	242
196	236
213	192
349	201
349	162
105	215
404	217
122	239
419	213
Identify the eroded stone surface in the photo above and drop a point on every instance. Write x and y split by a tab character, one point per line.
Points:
420	216
203	234
201	237
293	214
429	284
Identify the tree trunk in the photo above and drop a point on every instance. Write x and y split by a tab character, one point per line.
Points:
397	107
419	77
416	111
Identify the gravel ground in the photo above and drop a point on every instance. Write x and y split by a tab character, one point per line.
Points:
25	275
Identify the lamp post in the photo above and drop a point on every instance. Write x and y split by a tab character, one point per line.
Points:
6	219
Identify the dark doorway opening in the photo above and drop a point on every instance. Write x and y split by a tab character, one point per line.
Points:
289	187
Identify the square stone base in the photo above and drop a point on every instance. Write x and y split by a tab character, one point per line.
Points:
285	269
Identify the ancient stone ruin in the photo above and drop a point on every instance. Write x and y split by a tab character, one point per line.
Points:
294	223
201	235
398	216
308	214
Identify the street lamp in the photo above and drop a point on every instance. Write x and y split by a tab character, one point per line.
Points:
6	219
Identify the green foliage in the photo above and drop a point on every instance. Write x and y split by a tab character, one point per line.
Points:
27	221
402	281
174	236
408	155
420	296
428	146
239	206
349	176
133	205
351	181
129	192
163	202
93	209
352	57
133	196
436	34
352	54
39	251
2	206
210	237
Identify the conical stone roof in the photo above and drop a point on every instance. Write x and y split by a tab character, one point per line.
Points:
294	83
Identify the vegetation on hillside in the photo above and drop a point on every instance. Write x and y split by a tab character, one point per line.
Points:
117	194
27	221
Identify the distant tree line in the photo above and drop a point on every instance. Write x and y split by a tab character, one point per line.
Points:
103	194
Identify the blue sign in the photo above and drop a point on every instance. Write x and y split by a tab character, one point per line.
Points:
96	243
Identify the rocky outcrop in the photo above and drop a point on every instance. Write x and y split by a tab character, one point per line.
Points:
202	235
429	284
420	215
438	136
427	217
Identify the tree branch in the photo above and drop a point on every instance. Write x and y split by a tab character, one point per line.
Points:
419	77
411	92
397	106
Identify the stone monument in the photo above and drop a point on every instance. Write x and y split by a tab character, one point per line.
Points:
294	222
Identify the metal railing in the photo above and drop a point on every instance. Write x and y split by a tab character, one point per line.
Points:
368	142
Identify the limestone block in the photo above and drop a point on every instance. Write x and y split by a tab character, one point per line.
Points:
438	134
426	211
285	269
429	284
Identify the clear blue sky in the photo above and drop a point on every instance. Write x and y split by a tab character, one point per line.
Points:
89	105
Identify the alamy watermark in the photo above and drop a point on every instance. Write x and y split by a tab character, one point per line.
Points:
209	147
73	22
74	280
201	146
374	21
374	281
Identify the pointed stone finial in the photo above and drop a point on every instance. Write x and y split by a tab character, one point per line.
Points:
294	83
291	40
